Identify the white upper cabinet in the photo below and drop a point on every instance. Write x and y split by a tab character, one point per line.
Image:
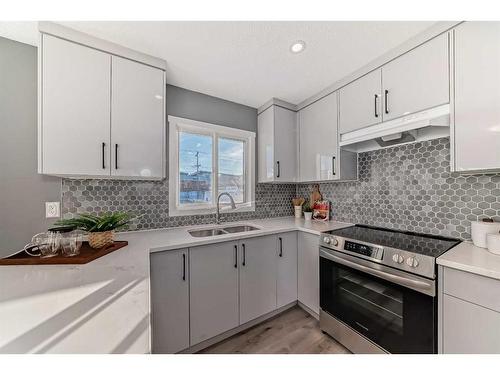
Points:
413	82
137	120
75	93
318	140
476	142
100	115
417	80
277	145
361	103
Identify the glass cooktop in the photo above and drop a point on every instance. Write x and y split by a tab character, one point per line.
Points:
423	244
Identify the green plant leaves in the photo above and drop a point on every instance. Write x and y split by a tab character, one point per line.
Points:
103	223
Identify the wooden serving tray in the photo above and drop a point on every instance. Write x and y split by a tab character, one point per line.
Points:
87	254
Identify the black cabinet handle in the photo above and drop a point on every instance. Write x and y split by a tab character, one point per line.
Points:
116	155
184	267
281	246
235	256
386	98
333	166
103	147
244	255
278	173
376	105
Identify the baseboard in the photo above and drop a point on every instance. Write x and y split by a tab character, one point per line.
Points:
308	310
214	340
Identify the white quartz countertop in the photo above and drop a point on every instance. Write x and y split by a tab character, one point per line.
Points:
470	258
176	238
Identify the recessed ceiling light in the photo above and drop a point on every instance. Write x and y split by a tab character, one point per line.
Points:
298	46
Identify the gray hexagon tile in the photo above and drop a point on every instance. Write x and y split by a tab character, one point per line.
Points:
150	199
410	187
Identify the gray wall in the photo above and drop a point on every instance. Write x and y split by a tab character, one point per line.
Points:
201	107
22	191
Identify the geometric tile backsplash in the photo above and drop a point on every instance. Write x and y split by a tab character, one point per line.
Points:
408	187
150	199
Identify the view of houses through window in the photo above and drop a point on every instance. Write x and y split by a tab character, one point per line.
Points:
196	156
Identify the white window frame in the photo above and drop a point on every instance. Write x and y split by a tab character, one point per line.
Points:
179	124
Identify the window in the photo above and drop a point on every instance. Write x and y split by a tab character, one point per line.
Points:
206	160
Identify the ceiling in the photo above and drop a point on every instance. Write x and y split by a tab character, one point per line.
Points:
248	62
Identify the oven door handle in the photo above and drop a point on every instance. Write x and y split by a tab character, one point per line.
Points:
426	287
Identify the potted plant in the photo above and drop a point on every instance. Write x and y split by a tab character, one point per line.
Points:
306	207
101	228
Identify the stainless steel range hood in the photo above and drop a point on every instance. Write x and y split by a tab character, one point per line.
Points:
429	124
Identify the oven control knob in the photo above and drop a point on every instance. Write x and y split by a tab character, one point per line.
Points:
412	262
334	241
397	258
326	240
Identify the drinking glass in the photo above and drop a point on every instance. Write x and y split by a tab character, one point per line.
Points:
71	243
48	243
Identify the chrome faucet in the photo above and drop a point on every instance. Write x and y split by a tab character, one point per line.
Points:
217	214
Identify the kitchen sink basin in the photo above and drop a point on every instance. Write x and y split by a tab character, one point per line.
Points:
207	232
240	228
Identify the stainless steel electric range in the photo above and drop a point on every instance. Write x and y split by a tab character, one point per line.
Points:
378	289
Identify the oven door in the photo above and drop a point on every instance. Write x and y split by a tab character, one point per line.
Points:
395	310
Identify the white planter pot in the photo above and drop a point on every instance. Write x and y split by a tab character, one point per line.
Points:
308	215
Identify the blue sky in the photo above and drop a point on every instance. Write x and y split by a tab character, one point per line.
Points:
230	154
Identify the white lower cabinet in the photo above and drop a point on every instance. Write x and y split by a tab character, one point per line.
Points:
308	270
469	313
170	297
257	277
286	282
469	328
208	290
213	272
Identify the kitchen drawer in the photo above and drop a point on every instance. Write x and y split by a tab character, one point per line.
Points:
469	328
480	290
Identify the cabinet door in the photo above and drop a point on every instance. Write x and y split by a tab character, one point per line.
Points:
469	328
285	144
213	279
257	277
137	120
417	80
75	109
286	284
308	270
361	103
170	301
265	142
477	94
318	140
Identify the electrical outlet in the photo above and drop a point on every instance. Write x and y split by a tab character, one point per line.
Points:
52	209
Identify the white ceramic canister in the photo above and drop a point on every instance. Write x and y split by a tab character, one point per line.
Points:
479	230
493	242
308	215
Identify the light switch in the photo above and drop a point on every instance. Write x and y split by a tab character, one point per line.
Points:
52	209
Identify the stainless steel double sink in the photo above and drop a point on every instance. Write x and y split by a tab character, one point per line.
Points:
209	232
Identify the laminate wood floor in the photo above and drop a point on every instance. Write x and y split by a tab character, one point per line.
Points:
292	332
